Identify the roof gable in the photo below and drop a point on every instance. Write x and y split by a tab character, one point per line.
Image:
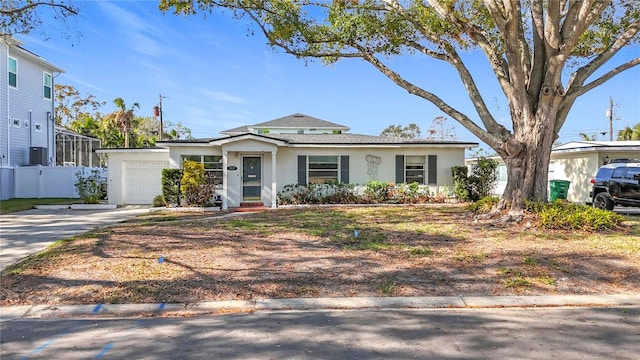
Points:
291	122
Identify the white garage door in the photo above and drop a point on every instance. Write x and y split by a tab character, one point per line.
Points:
142	181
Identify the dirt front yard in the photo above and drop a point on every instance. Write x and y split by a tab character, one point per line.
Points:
323	252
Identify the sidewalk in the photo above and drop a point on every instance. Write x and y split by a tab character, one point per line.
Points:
353	303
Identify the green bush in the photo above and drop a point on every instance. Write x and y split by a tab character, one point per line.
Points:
479	183
91	187
460	182
159	201
171	186
378	191
483	205
195	185
562	216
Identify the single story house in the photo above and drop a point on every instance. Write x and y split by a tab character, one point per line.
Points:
577	162
253	163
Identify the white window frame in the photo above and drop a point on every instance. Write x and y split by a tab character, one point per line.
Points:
9	72
415	168
45	85
311	171
211	167
37	127
16	122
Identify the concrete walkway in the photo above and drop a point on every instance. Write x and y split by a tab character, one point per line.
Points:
27	232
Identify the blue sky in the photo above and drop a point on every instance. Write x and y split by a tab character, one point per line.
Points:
216	76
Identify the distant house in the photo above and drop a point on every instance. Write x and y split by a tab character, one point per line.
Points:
577	162
254	162
27	103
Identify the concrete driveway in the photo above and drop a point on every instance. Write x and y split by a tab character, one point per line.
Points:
26	232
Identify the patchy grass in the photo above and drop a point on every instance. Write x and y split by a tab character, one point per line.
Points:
14	205
314	252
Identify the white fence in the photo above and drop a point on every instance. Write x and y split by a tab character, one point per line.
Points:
48	181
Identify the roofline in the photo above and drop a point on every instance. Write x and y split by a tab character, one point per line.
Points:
14	43
598	148
245	136
386	145
123	150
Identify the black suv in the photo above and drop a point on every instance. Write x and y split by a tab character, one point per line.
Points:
616	184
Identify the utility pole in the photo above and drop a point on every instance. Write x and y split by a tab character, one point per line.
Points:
157	111
610	116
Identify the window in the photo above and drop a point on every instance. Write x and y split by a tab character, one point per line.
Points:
420	169
618	173
13	72
47	81
212	165
17	122
632	172
38	127
323	169
502	172
414	169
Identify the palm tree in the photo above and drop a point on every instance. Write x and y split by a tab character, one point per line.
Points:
629	133
122	118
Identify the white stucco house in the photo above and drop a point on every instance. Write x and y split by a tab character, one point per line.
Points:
577	162
254	162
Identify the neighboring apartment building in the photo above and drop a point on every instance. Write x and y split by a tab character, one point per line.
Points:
27	105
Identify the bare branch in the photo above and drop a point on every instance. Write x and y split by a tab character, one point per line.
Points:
581	75
482	134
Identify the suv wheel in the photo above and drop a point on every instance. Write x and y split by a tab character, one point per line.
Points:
603	201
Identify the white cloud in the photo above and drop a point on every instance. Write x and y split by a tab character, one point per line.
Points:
224	97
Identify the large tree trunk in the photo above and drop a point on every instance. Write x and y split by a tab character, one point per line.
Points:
527	157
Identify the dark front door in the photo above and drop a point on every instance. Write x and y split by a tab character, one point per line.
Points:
251	178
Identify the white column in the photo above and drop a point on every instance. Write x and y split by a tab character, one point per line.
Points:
274	194
225	180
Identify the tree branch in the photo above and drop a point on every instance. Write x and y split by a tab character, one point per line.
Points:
490	139
581	75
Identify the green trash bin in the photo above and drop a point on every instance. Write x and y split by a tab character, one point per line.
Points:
558	189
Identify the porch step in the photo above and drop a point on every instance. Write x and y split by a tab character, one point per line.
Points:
250	207
251	204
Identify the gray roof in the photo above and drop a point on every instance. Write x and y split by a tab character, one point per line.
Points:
333	139
357	139
293	121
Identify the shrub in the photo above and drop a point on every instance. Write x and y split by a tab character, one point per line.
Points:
91	187
195	185
378	191
171	185
483	205
478	184
560	215
159	201
460	182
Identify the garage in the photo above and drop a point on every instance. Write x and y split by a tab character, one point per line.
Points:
142	181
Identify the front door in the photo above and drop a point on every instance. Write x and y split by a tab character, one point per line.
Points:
251	178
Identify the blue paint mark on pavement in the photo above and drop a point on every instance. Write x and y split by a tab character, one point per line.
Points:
97	308
161	260
161	307
104	350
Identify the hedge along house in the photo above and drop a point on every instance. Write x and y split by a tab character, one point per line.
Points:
252	163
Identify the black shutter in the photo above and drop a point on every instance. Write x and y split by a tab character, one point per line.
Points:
344	169
302	170
432	174
399	169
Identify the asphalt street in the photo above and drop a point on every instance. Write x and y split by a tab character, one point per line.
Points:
504	333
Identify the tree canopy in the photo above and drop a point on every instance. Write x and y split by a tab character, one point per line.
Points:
411	131
121	128
544	54
24	16
630	133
